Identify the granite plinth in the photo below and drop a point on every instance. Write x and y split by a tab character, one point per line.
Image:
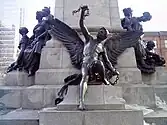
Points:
20	117
106	117
139	94
157	78
41	96
16	78
98	97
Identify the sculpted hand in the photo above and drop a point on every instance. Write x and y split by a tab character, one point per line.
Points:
115	72
84	7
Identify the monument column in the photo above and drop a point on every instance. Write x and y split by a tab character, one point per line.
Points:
102	13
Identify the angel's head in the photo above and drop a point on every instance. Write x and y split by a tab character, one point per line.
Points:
39	16
23	31
46	11
150	45
102	33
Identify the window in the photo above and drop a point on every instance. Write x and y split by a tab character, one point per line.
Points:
165	43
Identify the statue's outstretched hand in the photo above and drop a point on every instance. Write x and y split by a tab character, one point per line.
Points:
84	7
115	72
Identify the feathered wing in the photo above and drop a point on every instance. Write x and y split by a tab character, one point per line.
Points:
70	39
119	42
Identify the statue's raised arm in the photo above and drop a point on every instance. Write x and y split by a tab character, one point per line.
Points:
84	12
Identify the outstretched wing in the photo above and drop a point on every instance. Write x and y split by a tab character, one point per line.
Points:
70	39
119	42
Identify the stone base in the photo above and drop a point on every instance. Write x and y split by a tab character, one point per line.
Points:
97	97
17	78
20	117
114	97
103	117
56	76
143	95
53	76
38	97
129	76
156	118
116	105
19	122
158	78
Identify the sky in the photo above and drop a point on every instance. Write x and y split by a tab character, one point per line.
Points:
157	8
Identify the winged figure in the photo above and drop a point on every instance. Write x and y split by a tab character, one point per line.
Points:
146	61
94	57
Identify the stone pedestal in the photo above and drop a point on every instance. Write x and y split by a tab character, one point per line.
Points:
129	73
56	65
99	117
157	78
98	97
105	104
17	78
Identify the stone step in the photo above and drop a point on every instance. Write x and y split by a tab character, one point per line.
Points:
102	117
156	118
37	97
19	117
16	78
116	105
133	94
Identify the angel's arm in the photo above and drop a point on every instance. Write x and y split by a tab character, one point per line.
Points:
127	24
109	36
82	25
107	62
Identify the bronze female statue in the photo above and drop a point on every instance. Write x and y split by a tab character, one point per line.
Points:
31	53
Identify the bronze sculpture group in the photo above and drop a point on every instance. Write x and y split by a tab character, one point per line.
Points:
30	48
143	55
94	57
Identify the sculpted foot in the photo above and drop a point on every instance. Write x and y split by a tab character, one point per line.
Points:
82	107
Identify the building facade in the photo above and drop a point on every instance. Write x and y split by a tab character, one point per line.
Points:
7	36
11	15
160	39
